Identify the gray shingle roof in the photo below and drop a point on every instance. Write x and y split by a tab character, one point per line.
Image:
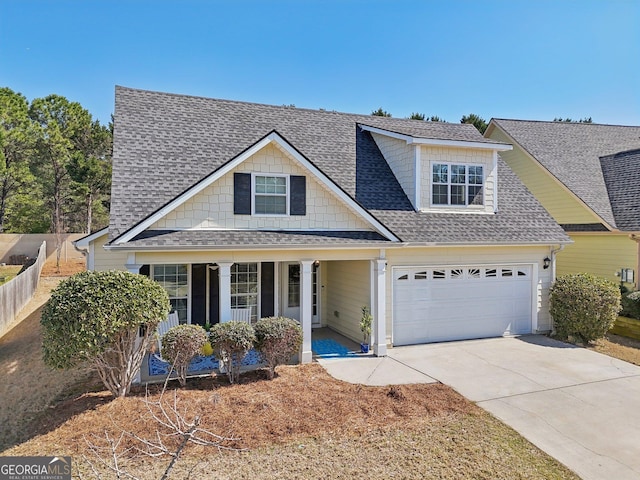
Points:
265	238
622	176
165	143
571	152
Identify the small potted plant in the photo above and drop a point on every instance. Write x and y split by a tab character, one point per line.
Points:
365	328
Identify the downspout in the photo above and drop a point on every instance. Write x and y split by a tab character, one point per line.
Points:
636	237
554	252
495	181
417	203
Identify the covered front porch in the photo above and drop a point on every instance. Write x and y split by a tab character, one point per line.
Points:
325	344
325	292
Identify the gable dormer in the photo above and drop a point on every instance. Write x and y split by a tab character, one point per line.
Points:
443	175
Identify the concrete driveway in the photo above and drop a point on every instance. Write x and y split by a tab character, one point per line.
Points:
581	407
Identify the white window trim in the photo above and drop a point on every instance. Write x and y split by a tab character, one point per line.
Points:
152	275
253	194
466	184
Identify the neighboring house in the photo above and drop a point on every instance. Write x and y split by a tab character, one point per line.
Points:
588	177
312	214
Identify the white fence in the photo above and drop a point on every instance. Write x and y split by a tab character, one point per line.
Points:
15	294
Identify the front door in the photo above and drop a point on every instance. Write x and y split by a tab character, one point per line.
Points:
291	279
291	290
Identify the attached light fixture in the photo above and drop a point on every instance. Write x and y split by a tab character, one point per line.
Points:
546	262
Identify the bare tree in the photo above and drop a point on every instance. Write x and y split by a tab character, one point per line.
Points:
175	430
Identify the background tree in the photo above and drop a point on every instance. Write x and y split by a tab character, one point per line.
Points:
62	130
96	317
380	113
422	116
569	120
90	172
477	121
16	146
55	166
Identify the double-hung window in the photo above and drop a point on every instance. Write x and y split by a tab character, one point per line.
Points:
457	184
270	195
175	280
244	287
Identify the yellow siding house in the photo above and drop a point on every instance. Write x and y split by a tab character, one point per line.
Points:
587	176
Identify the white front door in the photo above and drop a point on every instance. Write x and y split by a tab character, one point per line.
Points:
290	289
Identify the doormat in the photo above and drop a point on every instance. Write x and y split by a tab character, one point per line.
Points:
329	348
199	364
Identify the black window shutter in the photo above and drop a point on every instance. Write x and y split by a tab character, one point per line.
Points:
267	289
298	199
214	296
242	193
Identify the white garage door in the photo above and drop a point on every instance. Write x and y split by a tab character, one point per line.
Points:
434	304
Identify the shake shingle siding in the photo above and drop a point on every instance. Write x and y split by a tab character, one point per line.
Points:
165	143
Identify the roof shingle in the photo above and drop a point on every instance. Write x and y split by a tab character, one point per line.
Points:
571	152
622	176
164	143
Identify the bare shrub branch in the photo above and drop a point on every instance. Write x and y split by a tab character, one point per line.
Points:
175	429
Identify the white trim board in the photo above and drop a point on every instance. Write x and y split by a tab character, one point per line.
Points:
500	147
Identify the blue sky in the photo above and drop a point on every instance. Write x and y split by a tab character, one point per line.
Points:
510	59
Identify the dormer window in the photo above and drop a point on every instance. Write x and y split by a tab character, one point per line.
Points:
456	184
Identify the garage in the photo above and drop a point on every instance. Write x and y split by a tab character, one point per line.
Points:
435	304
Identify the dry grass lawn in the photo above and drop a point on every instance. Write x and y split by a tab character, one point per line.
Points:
624	348
29	387
305	424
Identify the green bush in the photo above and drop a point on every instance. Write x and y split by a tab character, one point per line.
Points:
631	305
583	306
277	340
96	317
180	344
230	342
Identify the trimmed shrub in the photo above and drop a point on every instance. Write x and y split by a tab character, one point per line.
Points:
180	344
96	317
631	305
583	306
277	340
230	342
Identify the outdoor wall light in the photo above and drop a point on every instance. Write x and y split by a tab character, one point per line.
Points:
546	262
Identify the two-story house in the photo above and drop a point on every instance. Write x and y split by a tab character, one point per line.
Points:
312	214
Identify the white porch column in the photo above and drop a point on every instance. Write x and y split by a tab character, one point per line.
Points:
306	310
224	269
131	264
379	304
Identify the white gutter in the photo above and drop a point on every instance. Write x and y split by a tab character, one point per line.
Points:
387	245
436	142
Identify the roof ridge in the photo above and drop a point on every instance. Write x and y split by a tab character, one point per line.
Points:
283	106
564	123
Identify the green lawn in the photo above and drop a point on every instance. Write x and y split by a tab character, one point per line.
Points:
8	272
